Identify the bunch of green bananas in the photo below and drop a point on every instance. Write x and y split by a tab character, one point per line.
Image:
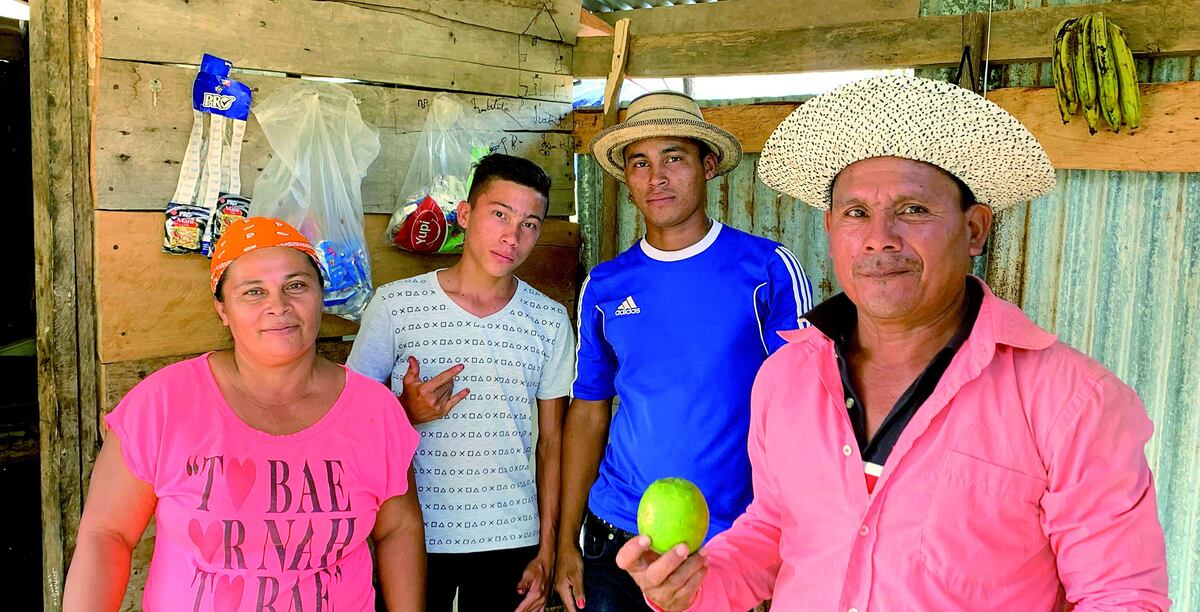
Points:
1094	70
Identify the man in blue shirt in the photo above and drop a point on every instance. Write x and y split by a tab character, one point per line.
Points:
677	327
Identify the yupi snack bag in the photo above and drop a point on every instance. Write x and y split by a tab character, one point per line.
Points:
208	198
453	140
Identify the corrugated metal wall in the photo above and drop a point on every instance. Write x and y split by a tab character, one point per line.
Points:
1110	262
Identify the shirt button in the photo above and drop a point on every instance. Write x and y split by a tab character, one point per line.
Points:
864	530
849	402
847	451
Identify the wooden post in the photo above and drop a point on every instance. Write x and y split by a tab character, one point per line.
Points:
974	38
612	106
60	93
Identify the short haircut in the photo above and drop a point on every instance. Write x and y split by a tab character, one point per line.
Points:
498	166
965	195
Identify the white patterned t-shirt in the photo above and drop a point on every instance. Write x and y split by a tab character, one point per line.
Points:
474	471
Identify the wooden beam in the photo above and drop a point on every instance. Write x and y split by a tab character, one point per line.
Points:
335	39
591	25
612	104
141	135
751	123
61	49
133	277
552	20
756	14
1160	27
1167	141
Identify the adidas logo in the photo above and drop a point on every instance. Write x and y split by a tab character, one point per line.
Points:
628	307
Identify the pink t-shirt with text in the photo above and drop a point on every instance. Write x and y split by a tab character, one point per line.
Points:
247	520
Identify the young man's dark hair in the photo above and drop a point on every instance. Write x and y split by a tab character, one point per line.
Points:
498	166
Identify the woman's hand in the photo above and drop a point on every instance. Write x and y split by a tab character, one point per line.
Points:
535	582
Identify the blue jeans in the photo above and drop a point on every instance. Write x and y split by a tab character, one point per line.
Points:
607	587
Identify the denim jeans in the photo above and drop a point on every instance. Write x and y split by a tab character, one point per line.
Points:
607	587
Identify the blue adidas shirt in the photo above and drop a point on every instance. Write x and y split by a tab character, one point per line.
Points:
679	337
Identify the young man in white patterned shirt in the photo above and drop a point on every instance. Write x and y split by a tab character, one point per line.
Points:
505	356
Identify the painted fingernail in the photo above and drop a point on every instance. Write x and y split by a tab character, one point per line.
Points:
579	602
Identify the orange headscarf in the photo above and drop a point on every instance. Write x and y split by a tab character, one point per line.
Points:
245	235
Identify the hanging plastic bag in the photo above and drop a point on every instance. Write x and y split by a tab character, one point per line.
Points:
209	198
314	182
452	141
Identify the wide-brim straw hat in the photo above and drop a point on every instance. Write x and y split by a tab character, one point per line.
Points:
663	114
935	122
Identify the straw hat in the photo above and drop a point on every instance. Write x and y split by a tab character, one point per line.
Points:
936	122
663	114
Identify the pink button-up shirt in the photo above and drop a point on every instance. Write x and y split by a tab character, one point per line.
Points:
1020	480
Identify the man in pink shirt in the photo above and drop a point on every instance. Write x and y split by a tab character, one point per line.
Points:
923	445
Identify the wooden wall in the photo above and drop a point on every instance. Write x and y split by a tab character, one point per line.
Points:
129	68
510	61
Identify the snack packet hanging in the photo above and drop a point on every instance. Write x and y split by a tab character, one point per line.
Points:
452	141
208	198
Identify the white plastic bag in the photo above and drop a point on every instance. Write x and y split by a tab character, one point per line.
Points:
452	141
314	182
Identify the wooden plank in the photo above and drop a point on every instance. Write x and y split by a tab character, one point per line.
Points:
334	39
141	137
1160	27
751	123
749	15
85	80
59	109
591	25
551	20
612	105
1168	141
134	277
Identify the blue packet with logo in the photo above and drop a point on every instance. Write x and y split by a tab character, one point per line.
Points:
208	194
214	92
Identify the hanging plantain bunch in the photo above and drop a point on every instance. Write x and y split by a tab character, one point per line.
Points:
1094	71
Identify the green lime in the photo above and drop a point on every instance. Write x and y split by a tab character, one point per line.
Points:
673	510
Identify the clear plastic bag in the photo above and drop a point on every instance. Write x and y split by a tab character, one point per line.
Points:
314	182
453	139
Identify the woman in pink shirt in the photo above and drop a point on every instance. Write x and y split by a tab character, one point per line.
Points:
266	467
